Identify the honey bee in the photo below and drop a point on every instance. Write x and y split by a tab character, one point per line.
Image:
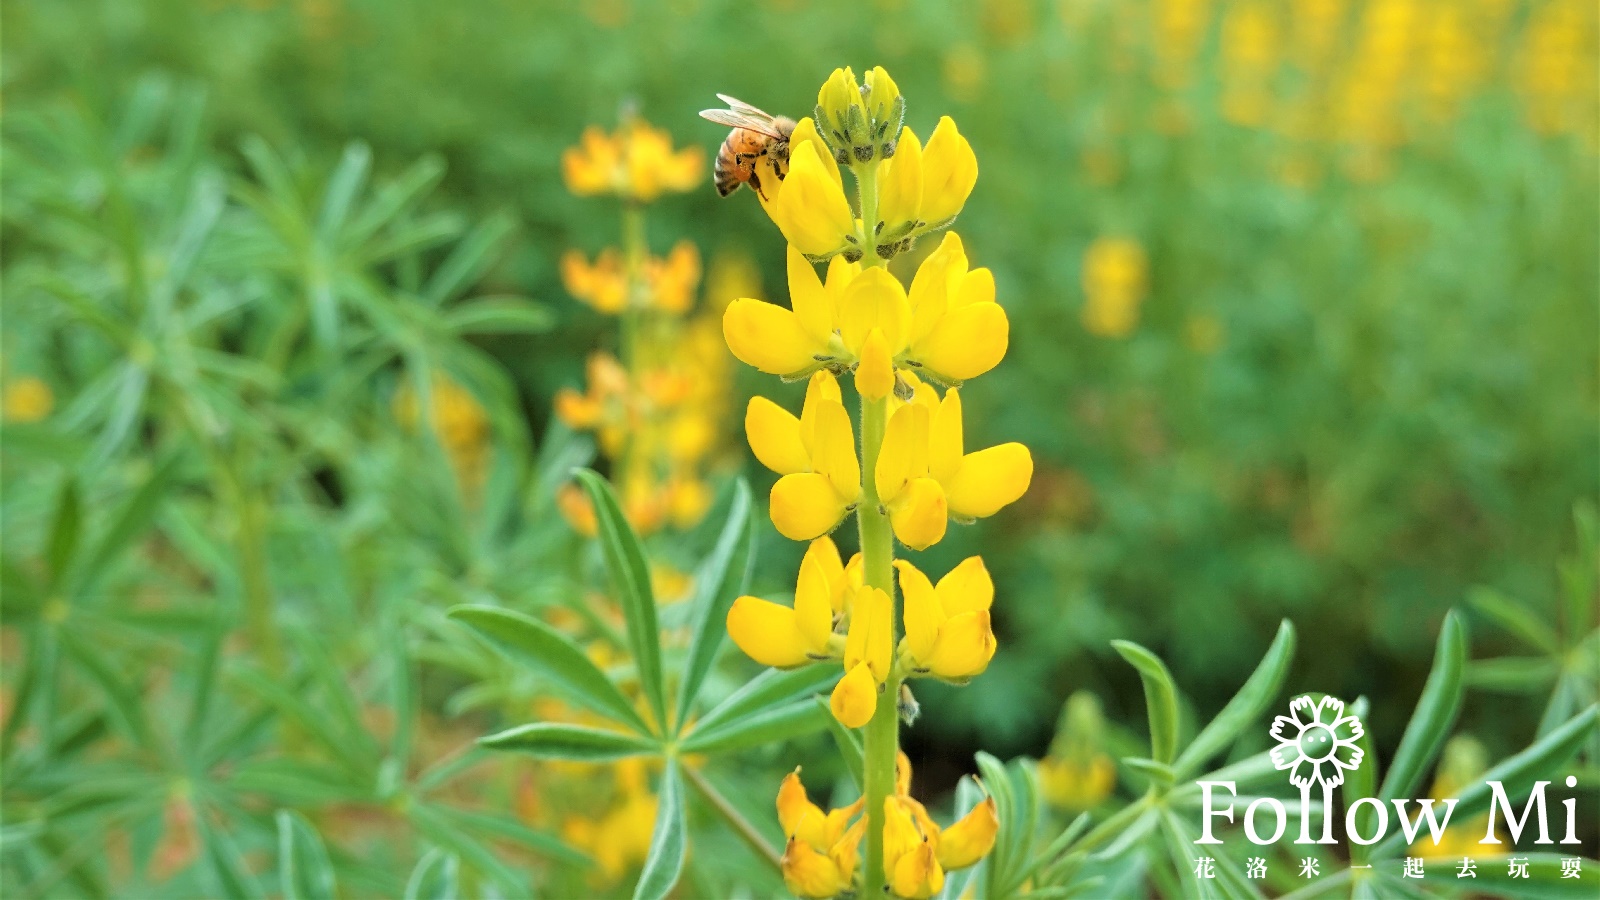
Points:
755	134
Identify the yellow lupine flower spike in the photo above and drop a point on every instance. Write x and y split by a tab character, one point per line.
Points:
948	633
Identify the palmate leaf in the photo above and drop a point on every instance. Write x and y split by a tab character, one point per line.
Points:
724	575
536	646
630	576
771	688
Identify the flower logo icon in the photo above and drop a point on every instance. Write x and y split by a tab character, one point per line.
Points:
1316	742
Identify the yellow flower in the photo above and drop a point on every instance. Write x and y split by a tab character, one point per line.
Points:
27	399
815	454
459	421
958	331
1114	275
666	283
1078	774
860	121
637	163
791	343
949	172
810	208
779	636
924	474
948	633
822	850
822	856
672	280
602	284
885	110
868	654
608	407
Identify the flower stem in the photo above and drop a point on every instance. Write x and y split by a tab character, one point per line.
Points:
881	737
733	817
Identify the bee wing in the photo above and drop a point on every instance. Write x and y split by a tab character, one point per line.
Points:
739	106
734	119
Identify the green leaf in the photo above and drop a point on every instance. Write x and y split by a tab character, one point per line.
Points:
630	576
1513	617
670	842
1435	714
557	740
224	863
849	744
395	197
130	521
773	687
773	725
1161	698
1251	700
536	646
304	870
469	260
1361	783
441	831
1517	774
485	823
724	575
343	187
1160	773
126	702
1513	674
436	877
64	531
499	315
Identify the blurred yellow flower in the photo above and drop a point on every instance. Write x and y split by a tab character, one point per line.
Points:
1078	774
619	838
1461	764
459	420
636	163
1115	272
27	399
666	284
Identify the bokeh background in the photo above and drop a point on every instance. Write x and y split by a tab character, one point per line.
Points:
1303	299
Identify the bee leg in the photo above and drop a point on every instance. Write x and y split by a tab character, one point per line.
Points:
755	182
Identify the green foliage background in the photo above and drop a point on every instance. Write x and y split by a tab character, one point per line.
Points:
1401	405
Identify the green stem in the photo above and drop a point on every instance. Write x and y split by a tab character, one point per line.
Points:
867	196
635	253
881	737
733	817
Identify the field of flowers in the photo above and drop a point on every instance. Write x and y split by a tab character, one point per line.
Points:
415	480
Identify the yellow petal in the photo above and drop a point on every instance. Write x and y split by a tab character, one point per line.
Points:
965	343
808	298
902	774
989	480
844	115
904	452
825	555
796	813
949	171
874	299
970	839
922	613
813	605
929	296
917	875
823	387
870	638
921	514
845	852
900	833
965	646
900	189
809	873
875	372
855	697
833	453
805	131
769	337
774	435
805	506
945	442
812	211
966	588
976	286
881	96
767	633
